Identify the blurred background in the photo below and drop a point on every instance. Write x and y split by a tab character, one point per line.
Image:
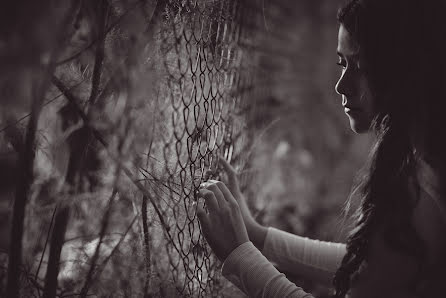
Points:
111	112
307	156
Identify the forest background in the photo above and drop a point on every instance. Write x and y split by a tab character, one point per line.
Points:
112	112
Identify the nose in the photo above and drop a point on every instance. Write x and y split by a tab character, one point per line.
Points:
343	86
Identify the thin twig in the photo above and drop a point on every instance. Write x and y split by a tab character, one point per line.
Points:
102	265
44	105
99	58
105	219
46	243
21	195
98	38
146	235
57	240
73	100
142	171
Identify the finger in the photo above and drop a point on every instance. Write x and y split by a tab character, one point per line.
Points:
209	198
223	189
230	171
212	186
227	167
227	193
204	220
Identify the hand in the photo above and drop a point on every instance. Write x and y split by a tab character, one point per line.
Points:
257	233
234	188
223	226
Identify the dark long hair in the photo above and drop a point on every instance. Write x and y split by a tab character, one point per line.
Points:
402	48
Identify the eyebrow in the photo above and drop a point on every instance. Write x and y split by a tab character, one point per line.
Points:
355	55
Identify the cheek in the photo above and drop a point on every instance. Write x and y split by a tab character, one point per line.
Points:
367	100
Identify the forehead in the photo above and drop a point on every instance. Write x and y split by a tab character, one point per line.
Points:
346	45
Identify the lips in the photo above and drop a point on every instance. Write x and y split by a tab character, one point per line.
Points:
349	108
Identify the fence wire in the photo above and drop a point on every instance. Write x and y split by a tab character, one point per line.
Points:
201	77
207	78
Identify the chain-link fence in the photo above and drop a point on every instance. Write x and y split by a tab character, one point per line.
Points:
205	98
153	91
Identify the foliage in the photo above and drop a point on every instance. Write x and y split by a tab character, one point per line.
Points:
114	111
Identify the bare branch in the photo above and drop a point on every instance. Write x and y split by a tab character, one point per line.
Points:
105	219
73	100
25	181
146	235
57	240
46	243
99	59
102	265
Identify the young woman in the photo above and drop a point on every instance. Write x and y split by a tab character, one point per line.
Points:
393	59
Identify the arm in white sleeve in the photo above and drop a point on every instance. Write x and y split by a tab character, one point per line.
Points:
312	259
251	272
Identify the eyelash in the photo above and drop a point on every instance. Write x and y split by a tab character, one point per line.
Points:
343	64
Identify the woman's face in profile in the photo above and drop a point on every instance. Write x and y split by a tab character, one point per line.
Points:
352	85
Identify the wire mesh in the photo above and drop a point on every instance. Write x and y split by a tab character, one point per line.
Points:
206	79
201	69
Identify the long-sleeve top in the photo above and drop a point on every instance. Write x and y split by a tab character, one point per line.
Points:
253	273
388	273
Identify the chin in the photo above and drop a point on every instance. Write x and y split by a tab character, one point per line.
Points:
359	127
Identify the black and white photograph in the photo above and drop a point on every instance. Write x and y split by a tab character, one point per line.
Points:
223	148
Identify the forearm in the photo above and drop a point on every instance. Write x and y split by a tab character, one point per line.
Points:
311	259
251	272
257	234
